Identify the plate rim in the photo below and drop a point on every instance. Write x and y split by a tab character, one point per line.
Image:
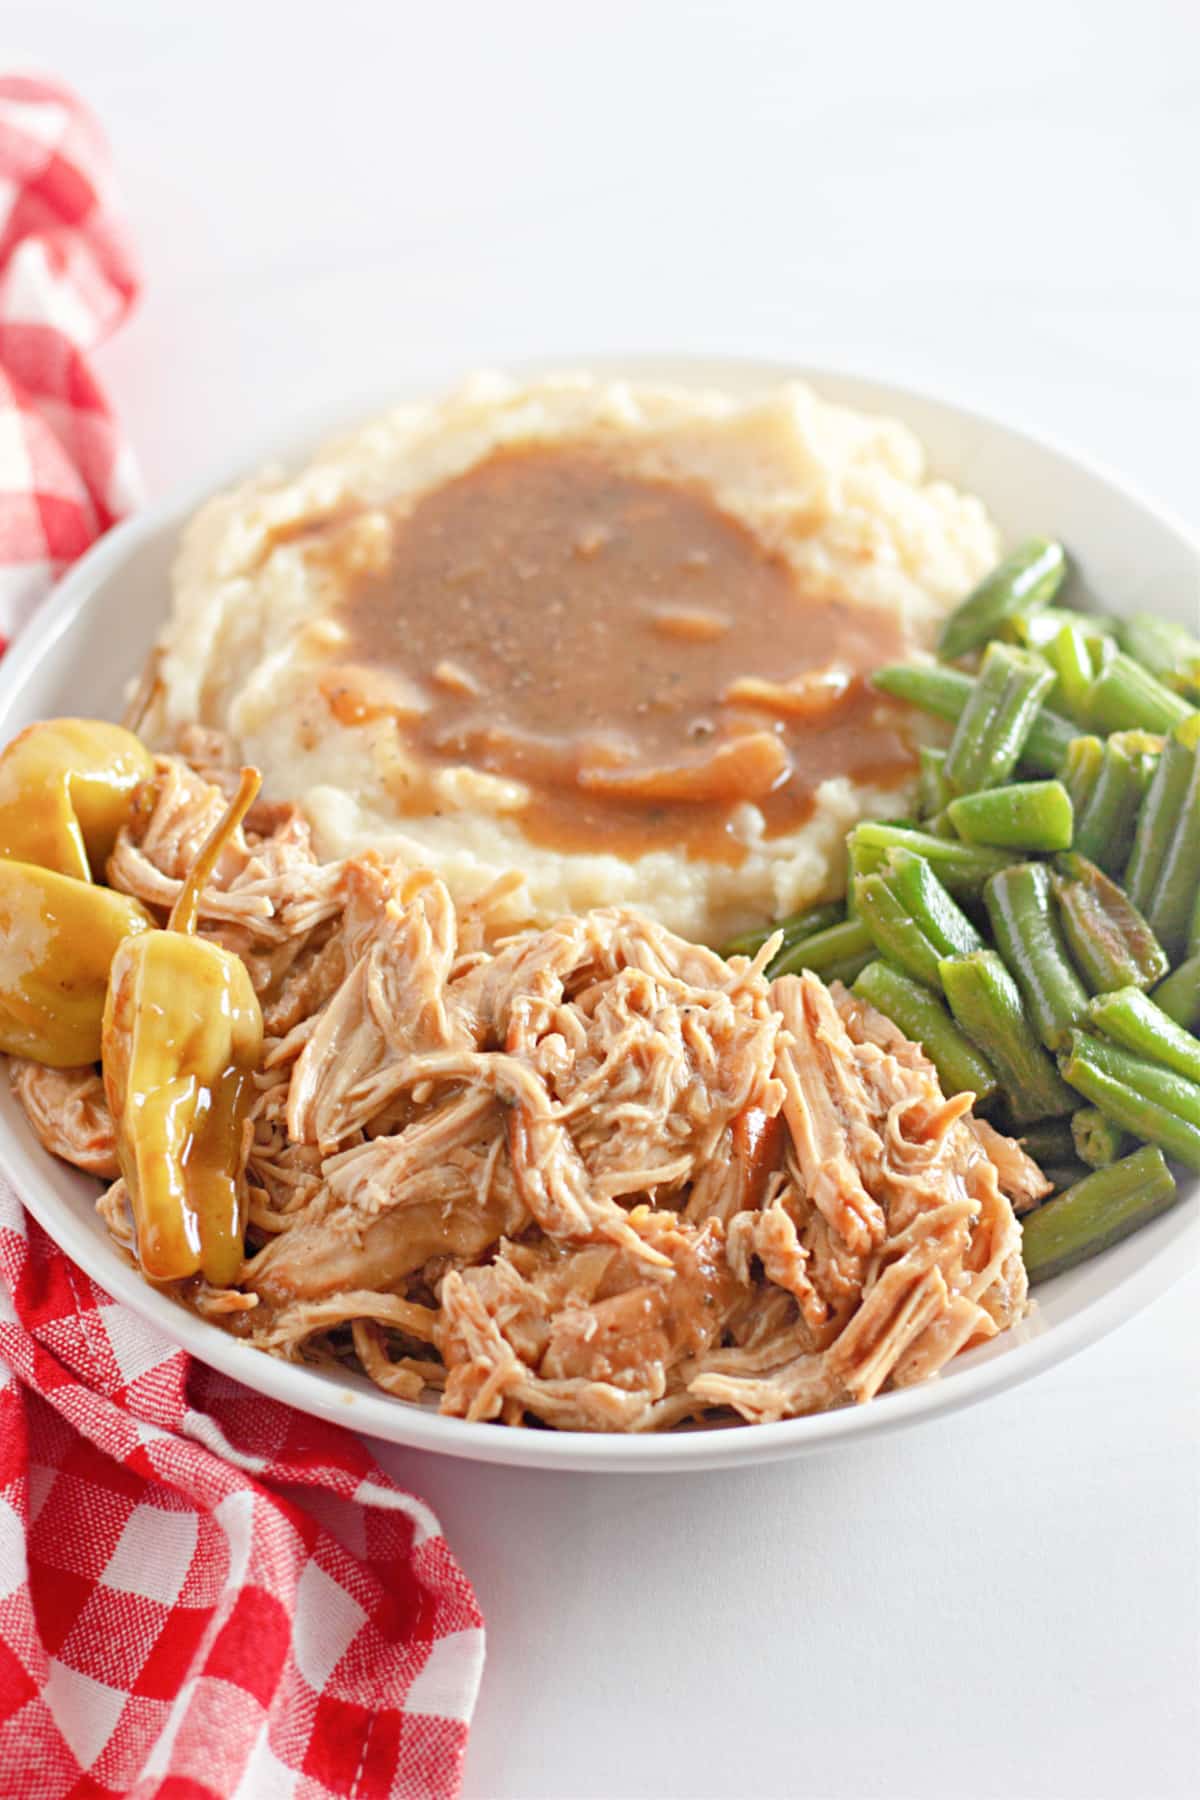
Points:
364	1408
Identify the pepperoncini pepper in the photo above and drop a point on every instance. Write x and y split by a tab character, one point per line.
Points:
58	937
66	789
182	1037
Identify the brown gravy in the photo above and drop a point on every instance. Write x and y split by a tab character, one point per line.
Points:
579	629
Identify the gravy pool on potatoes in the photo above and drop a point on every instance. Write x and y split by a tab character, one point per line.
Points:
623	648
612	636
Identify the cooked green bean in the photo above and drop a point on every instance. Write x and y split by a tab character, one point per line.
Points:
1069	655
911	917
933	687
1049	1142
995	723
794	927
913	878
1177	884
933	790
1097	1140
1081	770
1136	1022
1028	577
894	932
1037	630
945	692
859	861
1096	1213
961	868
986	1003
1167	650
1124	696
911	1007
1110	941
1025	926
1153	1103
1105	824
1025	815
1179	994
836	954
1158	812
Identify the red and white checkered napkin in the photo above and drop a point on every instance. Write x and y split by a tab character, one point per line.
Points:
203	1594
66	279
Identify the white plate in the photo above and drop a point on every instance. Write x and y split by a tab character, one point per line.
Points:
82	648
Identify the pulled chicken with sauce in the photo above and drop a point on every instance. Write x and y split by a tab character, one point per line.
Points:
590	1176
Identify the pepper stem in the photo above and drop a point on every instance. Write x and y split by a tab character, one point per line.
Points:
187	906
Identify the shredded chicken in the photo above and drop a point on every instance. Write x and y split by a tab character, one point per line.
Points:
69	1113
589	1174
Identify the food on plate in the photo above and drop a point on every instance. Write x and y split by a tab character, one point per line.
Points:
527	1048
615	636
588	1173
58	937
1088	894
181	1043
1098	1210
66	787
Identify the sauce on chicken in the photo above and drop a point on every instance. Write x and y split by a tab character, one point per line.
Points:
624	648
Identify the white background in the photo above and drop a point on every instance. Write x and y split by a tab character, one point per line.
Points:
1000	201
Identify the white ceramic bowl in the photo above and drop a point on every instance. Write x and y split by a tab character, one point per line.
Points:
82	648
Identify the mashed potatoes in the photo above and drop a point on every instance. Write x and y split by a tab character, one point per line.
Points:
614	637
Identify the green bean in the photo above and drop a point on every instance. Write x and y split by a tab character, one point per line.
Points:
794	927
1177	884
1029	577
933	687
911	917
1096	1213
1158	812
855	858
995	722
1153	1103
1136	1022
1167	650
911	1007
1035	630
1081	770
986	1003
894	932
836	954
1179	995
1025	927
1097	1140
961	868
1110	941
1105	824
1124	695
1049	1142
1069	655
933	790
945	692
913	878
1025	815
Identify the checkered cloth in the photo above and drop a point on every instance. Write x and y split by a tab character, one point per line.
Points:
203	1595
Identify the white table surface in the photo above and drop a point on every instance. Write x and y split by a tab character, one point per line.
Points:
998	201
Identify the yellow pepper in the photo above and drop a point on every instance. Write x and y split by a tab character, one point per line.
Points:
66	789
58	937
182	1037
